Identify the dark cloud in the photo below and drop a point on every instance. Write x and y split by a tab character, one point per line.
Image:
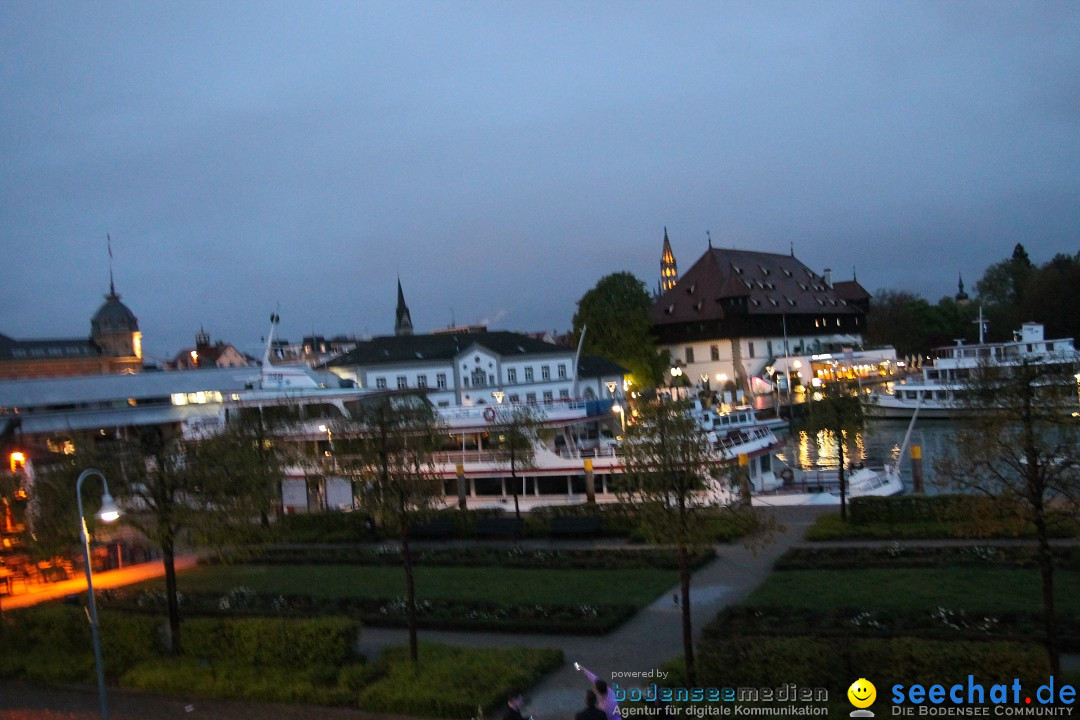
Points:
501	157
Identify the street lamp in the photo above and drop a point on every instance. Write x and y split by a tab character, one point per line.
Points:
108	513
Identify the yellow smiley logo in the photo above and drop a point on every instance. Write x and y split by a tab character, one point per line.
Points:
862	693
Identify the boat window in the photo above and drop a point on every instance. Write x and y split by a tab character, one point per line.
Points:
910	394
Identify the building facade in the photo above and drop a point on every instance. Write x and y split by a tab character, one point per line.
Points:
729	318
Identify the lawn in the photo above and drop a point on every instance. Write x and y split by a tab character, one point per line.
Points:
999	589
637	586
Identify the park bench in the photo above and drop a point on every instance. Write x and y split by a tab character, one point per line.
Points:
434	529
498	527
571	526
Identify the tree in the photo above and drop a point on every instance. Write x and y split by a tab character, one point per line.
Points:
673	483
838	412
389	447
1020	445
1002	292
616	314
210	492
1051	296
516	431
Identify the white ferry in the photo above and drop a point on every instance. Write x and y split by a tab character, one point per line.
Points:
936	390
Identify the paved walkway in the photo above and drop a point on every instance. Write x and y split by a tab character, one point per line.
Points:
650	638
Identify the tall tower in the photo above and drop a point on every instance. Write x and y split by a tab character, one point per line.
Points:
669	271
402	319
115	329
961	296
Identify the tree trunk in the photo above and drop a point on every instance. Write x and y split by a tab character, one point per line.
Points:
687	629
514	481
168	557
1046	575
410	590
843	478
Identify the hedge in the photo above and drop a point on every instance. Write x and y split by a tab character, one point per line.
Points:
272	642
773	660
967	515
899	555
454	682
486	555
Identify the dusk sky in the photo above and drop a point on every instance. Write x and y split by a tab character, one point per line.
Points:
504	156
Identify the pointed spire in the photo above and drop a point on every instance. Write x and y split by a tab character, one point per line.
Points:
669	270
710	239
112	286
402	318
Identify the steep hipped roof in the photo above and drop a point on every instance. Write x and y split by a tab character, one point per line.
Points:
851	290
419	348
767	283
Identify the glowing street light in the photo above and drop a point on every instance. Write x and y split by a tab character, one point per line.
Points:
108	513
616	408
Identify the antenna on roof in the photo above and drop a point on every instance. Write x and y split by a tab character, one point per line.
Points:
710	239
853	276
792	248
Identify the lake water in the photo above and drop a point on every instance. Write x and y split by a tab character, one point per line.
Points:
877	445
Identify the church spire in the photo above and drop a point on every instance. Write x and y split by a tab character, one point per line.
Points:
961	296
402	319
669	271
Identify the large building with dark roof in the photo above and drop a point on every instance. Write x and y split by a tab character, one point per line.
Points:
734	312
476	368
114	346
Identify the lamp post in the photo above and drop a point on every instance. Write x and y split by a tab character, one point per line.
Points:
108	513
333	462
617	408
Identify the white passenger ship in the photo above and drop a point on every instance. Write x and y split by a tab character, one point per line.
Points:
936	390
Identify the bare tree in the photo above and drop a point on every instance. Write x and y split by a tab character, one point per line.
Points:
674	483
389	447
1020	443
515	431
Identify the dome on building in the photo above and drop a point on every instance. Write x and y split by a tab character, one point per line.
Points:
113	317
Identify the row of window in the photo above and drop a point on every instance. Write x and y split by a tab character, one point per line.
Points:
478	378
714	352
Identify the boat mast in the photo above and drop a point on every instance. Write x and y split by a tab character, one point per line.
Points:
982	326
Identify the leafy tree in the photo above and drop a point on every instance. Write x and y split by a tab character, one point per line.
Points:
1002	292
515	431
1019	443
838	412
616	314
673	483
209	492
389	447
1051	294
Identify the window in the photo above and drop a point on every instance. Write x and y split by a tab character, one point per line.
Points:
511	375
689	355
549	397
402	382
564	394
479	377
529	376
751	344
514	397
380	383
421	381
714	352
440	381
562	372
768	347
545	372
530	398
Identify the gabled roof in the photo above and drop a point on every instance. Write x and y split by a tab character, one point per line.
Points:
420	348
766	284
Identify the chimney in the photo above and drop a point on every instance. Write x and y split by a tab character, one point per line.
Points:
828	277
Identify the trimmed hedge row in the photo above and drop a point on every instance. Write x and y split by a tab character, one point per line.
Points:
616	520
930	624
272	642
771	660
915	556
431	614
968	515
493	556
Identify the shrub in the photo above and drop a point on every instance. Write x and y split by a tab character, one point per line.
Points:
454	681
272	642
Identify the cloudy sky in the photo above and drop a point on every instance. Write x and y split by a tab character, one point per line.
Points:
503	156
